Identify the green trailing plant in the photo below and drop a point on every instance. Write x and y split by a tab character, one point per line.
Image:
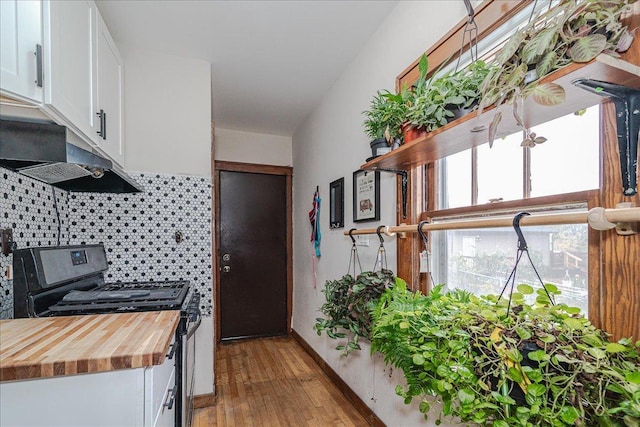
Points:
572	31
534	364
348	307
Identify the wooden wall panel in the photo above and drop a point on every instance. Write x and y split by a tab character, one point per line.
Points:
619	255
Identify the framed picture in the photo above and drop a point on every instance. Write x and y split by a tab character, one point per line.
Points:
336	211
366	196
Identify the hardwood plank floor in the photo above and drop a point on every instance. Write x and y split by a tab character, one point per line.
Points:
274	382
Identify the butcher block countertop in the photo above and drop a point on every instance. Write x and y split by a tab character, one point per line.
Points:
52	346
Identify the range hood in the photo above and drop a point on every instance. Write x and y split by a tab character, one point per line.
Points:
40	150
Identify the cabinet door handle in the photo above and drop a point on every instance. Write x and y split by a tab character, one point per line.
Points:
38	81
171	400
103	124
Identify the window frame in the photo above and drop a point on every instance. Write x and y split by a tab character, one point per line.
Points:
614	261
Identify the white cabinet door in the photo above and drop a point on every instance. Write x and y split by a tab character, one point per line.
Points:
109	94
69	31
106	399
20	33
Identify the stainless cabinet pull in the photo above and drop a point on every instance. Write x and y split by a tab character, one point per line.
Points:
103	124
172	399
38	81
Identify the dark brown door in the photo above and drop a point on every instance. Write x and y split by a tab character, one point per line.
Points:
253	251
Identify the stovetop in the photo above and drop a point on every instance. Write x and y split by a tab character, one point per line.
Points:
124	296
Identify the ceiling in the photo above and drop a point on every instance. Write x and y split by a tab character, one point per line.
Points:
272	61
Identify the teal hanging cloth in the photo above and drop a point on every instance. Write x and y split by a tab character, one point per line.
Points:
314	219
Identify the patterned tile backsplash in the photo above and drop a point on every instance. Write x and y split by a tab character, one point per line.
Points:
29	208
138	230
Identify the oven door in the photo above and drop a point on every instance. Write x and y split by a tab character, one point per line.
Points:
189	363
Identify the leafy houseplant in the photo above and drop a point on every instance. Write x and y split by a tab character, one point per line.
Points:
348	307
573	31
533	365
440	99
383	119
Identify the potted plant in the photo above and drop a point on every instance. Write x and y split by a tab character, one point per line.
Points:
463	88
573	31
383	120
444	98
348	307
531	365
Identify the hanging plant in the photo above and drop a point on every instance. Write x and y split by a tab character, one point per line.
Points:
572	31
534	365
348	307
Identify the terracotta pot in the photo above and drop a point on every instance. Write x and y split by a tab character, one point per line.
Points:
410	132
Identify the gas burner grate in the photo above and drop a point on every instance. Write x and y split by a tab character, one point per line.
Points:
119	296
116	286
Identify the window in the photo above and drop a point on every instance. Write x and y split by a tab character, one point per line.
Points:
567	162
480	260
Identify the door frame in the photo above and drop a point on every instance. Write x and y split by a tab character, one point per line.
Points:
286	171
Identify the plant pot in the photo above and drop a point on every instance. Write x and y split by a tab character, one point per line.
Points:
531	74
410	132
379	147
515	391
460	111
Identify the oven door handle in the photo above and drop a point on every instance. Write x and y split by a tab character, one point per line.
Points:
194	326
172	351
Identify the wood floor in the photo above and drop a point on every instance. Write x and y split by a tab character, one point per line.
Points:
274	382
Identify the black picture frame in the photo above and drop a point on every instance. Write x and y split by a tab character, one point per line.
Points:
366	196
336	203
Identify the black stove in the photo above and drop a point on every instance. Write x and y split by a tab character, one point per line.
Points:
69	280
66	280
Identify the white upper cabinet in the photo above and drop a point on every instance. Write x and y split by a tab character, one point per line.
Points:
70	74
109	94
83	74
20	50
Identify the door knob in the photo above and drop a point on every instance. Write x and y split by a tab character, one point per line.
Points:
226	269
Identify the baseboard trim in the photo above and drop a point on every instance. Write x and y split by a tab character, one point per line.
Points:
204	400
351	395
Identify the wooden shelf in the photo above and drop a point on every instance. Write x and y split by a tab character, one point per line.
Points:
471	130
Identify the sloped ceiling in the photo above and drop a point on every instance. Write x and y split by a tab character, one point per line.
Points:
272	61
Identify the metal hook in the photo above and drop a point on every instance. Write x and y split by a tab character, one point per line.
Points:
470	11
380	227
522	243
353	240
470	29
421	233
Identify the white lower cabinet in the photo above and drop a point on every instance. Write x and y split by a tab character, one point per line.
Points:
127	397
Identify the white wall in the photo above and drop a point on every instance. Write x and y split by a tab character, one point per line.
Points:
167	113
331	144
249	147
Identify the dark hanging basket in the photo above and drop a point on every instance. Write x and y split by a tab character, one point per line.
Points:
515	391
